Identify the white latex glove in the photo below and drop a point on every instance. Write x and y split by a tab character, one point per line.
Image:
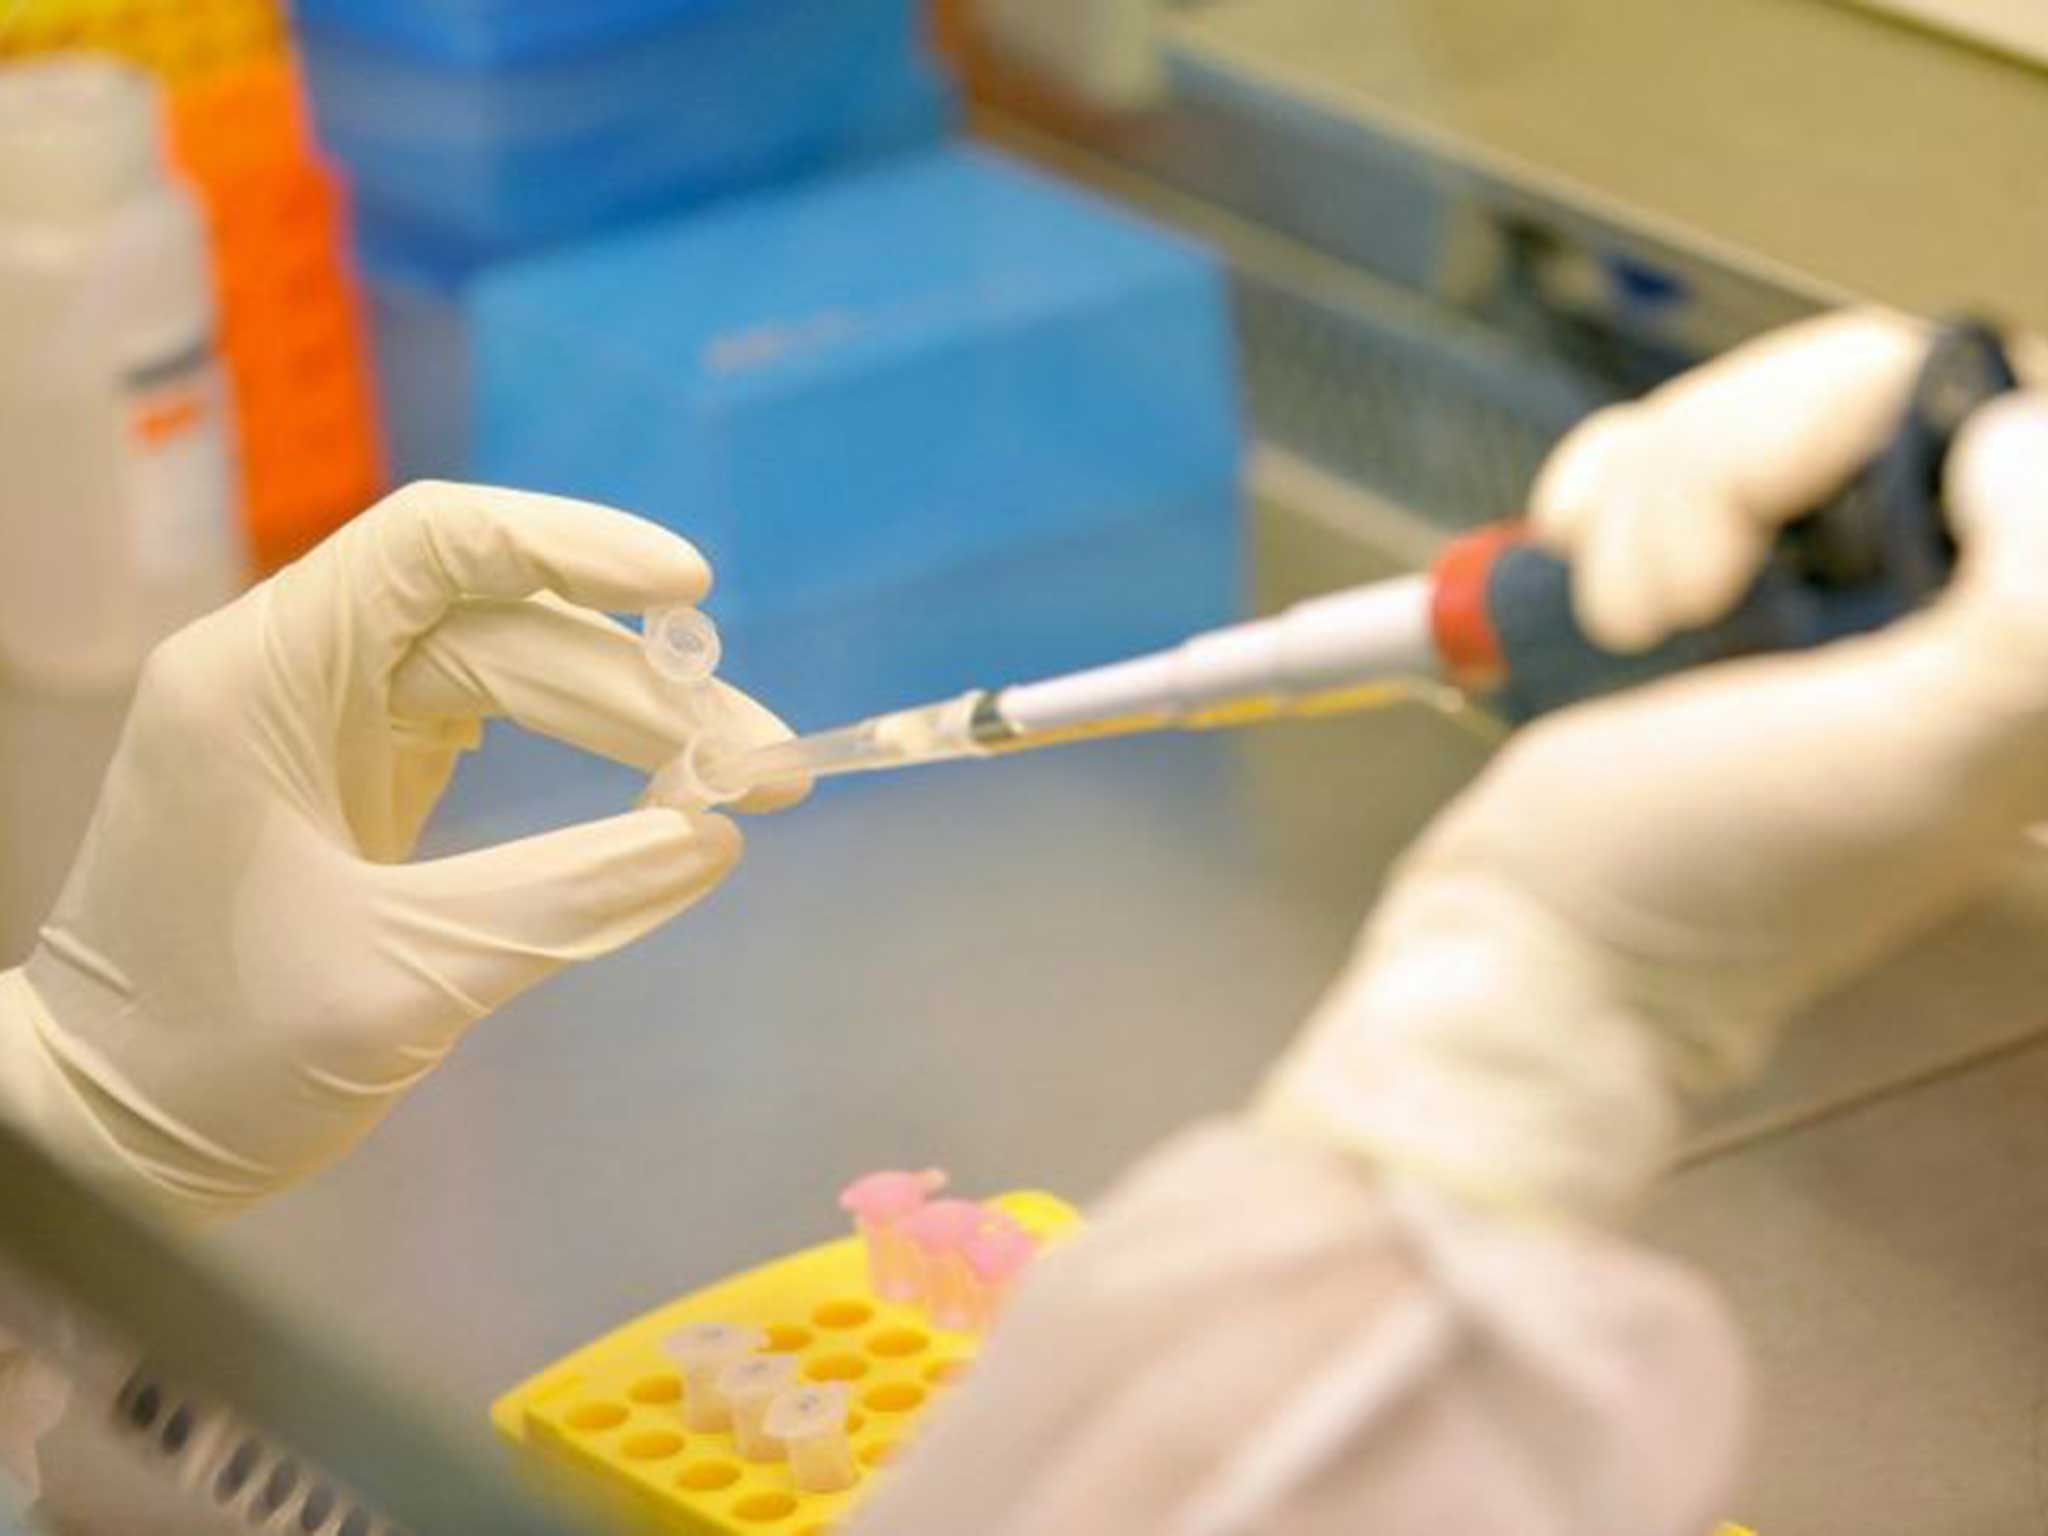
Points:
1380	1306
241	977
1638	892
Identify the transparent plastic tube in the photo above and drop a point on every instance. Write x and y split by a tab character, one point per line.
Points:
748	1387
714	769
703	1351
810	1421
879	1204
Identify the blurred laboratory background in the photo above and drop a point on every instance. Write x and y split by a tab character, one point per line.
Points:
975	340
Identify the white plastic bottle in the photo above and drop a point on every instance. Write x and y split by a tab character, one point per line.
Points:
119	498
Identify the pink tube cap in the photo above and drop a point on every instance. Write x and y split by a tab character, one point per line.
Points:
944	1226
998	1249
890	1195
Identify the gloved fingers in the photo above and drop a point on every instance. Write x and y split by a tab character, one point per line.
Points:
486	925
1569	489
1667	508
1783	421
2029	353
1596	502
579	677
1586	504
429	545
1613	585
1706	553
1997	499
421	769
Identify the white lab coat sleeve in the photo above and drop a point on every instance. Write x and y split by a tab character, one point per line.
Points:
1257	1335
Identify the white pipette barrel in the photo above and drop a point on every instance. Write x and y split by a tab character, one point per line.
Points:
1346	638
1342	640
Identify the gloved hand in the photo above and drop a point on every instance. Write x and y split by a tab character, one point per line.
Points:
1668	505
1637	893
241	977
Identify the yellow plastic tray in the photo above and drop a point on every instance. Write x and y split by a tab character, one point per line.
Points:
604	1425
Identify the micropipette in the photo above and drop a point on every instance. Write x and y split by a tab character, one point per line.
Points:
1492	620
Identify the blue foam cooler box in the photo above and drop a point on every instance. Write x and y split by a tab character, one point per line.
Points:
491	135
941	423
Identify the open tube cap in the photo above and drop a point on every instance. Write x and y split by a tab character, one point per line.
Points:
682	644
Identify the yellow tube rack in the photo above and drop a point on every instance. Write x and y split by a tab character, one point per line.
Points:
604	1425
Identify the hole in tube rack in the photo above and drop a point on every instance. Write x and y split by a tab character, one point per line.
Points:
177	1430
354	1523
855	1421
898	1342
277	1491
894	1397
318	1506
654	1390
144	1406
786	1338
593	1417
939	1372
837	1368
652	1444
842	1314
760	1508
234	1477
874	1455
704	1476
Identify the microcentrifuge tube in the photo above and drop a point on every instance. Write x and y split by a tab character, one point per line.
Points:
996	1253
810	1423
878	1203
682	646
748	1386
703	1351
939	1232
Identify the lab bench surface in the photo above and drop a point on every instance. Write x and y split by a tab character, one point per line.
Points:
1028	971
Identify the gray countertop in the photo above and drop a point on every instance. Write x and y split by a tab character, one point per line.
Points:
1028	971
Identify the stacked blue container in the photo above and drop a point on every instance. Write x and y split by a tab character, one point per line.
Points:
939	423
480	130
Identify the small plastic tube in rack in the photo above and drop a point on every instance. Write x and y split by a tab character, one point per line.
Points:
939	1231
879	1204
810	1423
997	1252
702	1351
748	1387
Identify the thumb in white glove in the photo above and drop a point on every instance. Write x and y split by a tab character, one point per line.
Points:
239	979
1637	893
